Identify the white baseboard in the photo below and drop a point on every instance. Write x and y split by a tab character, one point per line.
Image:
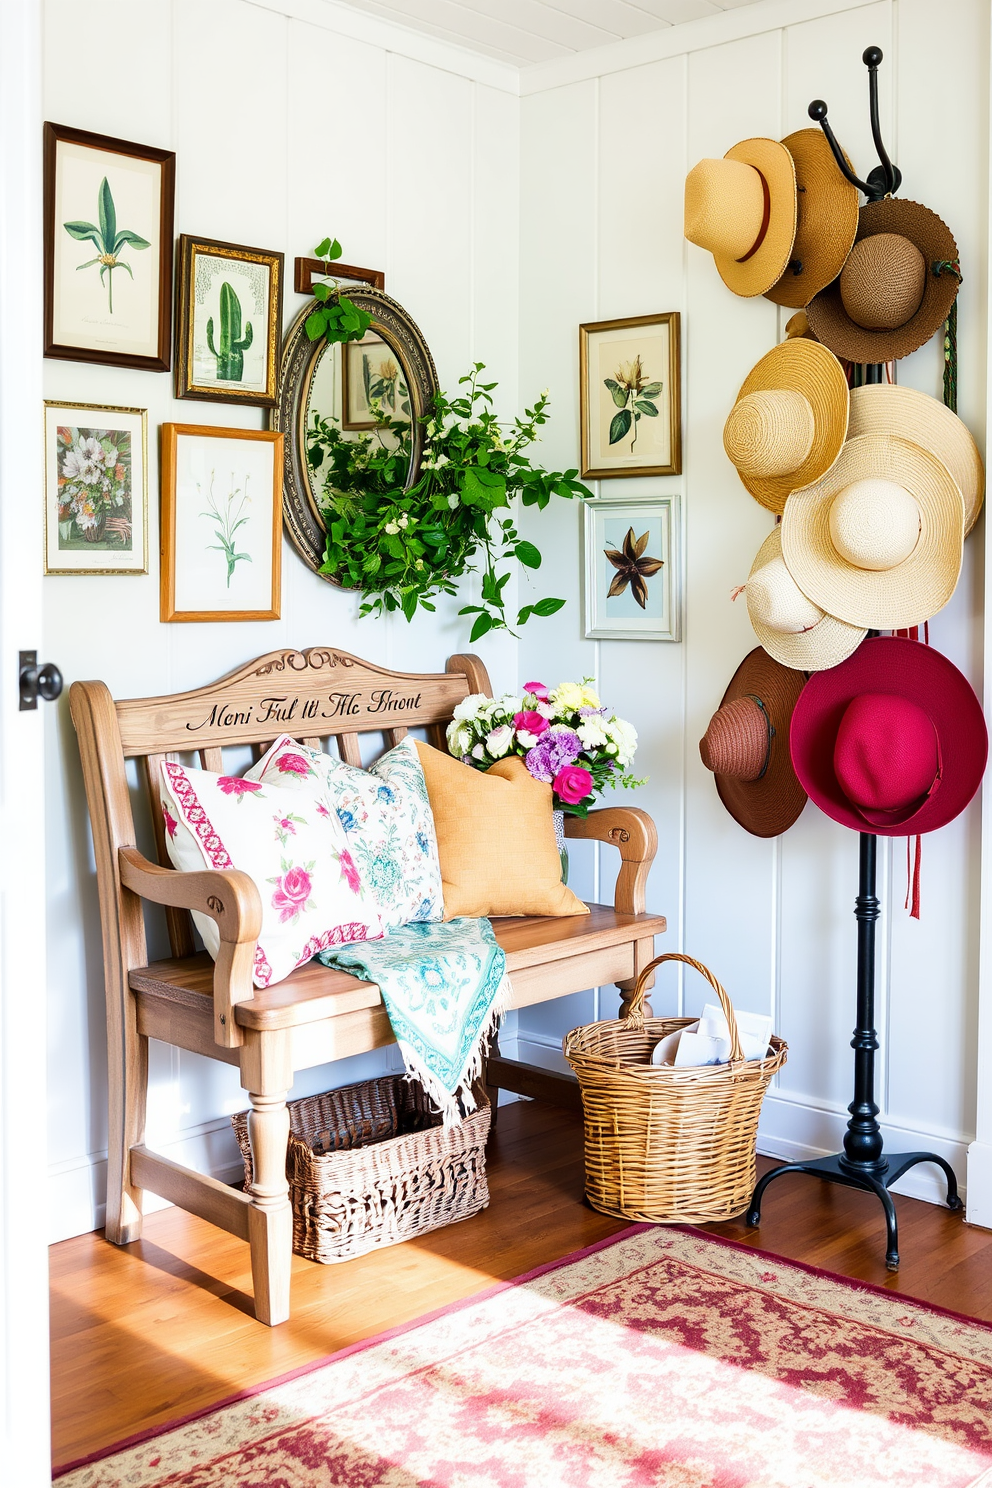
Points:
797	1129
980	1184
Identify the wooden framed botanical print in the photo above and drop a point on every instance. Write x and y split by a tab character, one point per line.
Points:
372	381
630	397
108	249
96	489
228	322
631	572
221	527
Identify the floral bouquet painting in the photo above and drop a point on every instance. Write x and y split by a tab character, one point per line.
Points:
94	488
565	737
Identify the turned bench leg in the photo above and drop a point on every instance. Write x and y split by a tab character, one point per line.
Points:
643	953
266	1073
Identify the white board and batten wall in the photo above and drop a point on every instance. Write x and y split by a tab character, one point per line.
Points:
603	159
506	208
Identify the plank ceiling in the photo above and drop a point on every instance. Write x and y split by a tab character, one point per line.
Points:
522	32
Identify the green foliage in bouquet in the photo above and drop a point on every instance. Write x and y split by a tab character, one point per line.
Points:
402	548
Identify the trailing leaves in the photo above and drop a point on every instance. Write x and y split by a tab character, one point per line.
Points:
403	547
335	318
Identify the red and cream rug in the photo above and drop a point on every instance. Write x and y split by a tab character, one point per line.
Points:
663	1357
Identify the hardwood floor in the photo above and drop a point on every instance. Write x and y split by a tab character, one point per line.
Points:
163	1328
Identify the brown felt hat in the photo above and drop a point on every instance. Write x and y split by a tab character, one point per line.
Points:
789	422
896	288
742	209
884	408
826	223
747	746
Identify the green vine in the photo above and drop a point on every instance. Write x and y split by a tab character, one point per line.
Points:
335	317
402	548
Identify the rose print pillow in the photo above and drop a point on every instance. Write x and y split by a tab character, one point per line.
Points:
293	847
387	817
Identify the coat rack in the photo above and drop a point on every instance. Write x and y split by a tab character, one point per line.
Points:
863	1163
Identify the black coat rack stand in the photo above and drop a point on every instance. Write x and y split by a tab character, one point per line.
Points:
863	1164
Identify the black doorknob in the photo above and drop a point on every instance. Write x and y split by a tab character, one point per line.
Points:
37	681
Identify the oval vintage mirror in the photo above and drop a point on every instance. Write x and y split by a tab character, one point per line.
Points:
392	363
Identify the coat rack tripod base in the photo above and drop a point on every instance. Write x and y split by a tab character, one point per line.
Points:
863	1164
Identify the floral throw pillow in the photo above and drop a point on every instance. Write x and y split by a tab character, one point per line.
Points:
387	818
293	847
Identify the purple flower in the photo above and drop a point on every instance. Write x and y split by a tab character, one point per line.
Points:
593	712
556	749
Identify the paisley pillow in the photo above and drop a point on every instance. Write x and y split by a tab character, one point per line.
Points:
293	847
387	818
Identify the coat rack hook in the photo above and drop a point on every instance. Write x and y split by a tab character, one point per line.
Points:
818	113
885	178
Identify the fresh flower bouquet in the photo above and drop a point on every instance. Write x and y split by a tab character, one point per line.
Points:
565	737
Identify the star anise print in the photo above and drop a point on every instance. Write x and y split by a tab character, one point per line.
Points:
632	567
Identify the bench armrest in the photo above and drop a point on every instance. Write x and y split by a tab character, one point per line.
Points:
230	898
633	832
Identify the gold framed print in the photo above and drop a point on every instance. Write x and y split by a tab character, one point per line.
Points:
96	489
630	396
228	323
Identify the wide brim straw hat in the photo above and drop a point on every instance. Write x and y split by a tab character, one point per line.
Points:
768	805
908	670
826	223
791	628
884	408
879	540
795	427
882	280
745	217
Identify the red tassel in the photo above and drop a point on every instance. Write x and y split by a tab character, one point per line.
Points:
912	902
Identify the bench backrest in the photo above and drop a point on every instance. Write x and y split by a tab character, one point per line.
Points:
315	695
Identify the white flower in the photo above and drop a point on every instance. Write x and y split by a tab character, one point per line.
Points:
526	739
624	736
453	500
392	528
404	520
470	706
441	460
479	752
592	732
499	741
546	710
85	462
459	737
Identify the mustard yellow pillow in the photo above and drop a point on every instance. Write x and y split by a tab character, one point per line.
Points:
495	839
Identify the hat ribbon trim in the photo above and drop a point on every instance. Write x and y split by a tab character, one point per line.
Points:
771	734
765	219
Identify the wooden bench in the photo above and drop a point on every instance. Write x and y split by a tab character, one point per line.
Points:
317	1014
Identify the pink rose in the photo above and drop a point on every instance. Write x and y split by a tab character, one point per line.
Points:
349	872
292	892
572	784
232	786
537	689
293	764
530	723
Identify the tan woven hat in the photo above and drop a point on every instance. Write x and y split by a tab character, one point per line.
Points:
746	745
742	209
789	422
826	223
883	408
896	288
878	541
793	629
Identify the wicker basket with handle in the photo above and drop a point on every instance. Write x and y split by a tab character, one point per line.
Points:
662	1144
370	1165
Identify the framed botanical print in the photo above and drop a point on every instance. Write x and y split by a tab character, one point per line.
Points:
96	489
108	249
630	397
221	528
371	379
631	587
228	323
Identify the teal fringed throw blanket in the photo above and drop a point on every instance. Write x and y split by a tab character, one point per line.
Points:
444	986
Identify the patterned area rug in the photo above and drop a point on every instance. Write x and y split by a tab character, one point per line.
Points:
662	1357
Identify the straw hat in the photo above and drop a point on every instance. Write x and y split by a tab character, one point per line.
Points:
883	408
747	746
894	291
789	422
878	541
826	224
742	209
792	629
892	741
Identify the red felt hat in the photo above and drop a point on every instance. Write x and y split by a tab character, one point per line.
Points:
892	741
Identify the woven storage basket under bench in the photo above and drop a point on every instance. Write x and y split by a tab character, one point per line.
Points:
371	1164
